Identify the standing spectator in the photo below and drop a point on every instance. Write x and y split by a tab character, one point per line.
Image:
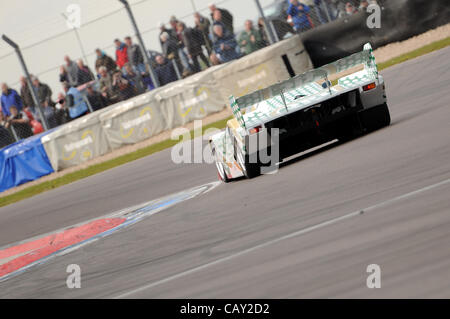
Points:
106	85
72	71
96	100
135	56
27	98
203	25
171	33
250	40
84	73
122	87
25	93
299	14
225	45
104	60
61	109
192	40
75	102
121	53
49	113
63	75
165	71
226	17
134	78
5	135
169	47
19	122
217	20
9	98
43	91
262	32
181	53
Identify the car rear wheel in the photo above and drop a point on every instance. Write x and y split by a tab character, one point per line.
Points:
250	170
375	118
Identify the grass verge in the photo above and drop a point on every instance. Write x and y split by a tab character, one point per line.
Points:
101	167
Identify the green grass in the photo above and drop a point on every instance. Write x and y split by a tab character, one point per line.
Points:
416	53
101	167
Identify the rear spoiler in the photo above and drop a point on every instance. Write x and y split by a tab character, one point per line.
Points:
364	57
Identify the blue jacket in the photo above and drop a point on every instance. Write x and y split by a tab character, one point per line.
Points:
227	54
299	17
79	105
12	98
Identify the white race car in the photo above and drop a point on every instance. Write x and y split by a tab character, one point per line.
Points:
334	101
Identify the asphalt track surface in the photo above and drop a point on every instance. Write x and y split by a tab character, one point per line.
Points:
308	231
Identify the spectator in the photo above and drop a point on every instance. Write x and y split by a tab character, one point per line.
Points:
72	71
134	78
63	75
121	53
217	20
122	88
49	113
169	47
165	71
75	102
250	40
9	98
181	53
43	92
106	85
25	93
226	17
135	56
19	122
349	10
262	32
215	60
299	14
84	73
225	45
104	60
96	100
203	25
171	33
61	109
192	40
5	135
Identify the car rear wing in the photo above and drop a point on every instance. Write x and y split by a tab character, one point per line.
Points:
364	57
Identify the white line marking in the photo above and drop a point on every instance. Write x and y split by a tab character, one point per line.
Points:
282	238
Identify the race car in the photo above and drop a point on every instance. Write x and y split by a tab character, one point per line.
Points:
335	101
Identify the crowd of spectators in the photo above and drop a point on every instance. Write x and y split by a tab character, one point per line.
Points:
185	50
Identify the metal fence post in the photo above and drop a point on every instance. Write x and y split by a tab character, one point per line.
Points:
177	71
141	43
27	74
269	30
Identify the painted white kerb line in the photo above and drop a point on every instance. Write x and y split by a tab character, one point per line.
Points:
282	238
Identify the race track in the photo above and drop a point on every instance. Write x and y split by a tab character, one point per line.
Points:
308	231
